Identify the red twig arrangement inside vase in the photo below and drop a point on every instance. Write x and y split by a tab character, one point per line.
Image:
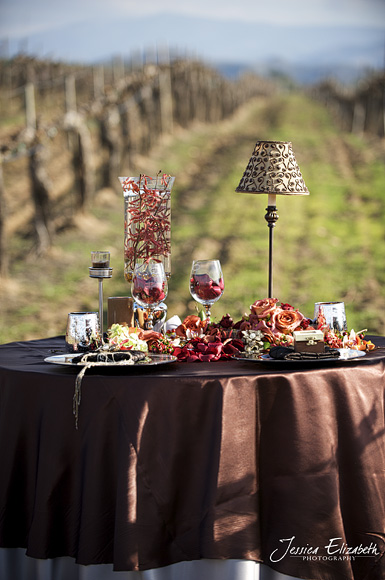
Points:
148	219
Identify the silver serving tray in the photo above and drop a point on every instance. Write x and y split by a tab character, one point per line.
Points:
152	359
346	354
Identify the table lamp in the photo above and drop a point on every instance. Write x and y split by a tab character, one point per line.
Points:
273	170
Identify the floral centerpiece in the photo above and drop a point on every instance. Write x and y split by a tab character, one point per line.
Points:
270	323
147	221
276	322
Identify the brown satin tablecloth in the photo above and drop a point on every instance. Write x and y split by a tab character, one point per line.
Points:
221	460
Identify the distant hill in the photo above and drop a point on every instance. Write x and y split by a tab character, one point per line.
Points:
305	53
301	73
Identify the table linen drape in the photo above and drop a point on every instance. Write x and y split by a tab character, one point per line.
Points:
226	460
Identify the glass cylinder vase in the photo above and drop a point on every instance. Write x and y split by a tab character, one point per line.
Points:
147	221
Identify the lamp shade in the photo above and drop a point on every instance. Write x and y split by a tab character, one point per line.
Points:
273	169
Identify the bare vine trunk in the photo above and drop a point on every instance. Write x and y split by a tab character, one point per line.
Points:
41	187
82	159
3	246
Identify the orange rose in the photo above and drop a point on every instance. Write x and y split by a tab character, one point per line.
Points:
286	321
264	308
191	326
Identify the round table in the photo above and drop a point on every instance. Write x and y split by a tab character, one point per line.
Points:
281	464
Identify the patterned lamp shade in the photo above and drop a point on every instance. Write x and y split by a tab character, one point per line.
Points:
273	169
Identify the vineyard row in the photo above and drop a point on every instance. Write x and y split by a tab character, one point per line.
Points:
99	136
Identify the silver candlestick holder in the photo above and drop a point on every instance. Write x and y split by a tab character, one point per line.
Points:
101	270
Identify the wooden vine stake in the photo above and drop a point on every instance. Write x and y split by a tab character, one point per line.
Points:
30	106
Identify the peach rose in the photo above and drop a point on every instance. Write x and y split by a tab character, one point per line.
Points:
264	308
190	327
149	335
286	321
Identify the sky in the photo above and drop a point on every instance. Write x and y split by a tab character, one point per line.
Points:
339	31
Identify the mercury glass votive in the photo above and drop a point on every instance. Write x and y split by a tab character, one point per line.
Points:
100	259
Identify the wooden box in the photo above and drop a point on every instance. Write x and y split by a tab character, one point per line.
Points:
309	341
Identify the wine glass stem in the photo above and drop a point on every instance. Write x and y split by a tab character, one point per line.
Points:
150	319
208	311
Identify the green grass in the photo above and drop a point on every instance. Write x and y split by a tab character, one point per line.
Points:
328	246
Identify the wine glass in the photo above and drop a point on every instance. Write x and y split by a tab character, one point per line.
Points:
149	287
206	283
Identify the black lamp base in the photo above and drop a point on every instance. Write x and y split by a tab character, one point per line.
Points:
271	217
